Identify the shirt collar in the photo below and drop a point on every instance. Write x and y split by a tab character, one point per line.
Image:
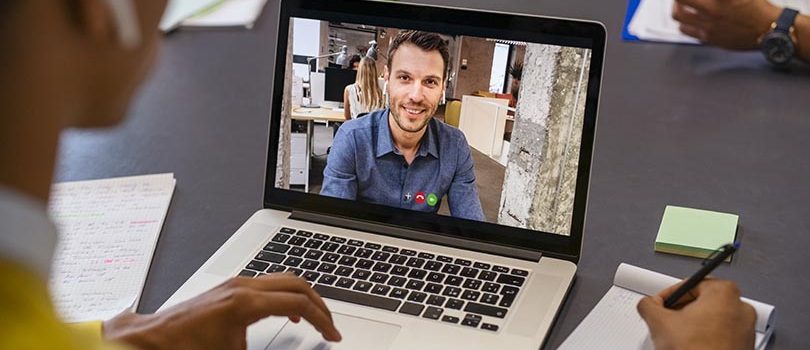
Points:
27	236
385	145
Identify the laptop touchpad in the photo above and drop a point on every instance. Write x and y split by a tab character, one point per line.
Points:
358	333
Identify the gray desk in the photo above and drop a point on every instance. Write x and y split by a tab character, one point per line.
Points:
693	126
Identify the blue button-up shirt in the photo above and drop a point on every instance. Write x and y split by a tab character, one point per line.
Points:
365	165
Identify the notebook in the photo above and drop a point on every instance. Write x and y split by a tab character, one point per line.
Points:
108	230
614	322
694	232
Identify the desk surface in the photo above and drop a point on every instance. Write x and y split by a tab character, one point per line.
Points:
683	125
302	113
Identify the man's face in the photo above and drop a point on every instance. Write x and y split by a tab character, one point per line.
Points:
415	86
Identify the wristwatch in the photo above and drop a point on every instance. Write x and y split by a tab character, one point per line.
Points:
779	43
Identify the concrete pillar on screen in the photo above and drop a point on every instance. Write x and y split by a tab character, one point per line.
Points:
283	161
540	179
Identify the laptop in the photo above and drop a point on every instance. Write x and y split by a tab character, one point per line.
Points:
424	273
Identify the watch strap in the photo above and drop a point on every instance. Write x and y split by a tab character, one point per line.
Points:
785	20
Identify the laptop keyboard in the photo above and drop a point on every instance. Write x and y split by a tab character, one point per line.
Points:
421	284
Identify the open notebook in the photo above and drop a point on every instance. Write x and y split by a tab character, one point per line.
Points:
615	324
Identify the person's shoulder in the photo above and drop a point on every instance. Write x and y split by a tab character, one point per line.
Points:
367	122
448	132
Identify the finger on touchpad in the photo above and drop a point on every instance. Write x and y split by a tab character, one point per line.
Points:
358	334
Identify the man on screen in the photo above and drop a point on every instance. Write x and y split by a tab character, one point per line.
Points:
400	156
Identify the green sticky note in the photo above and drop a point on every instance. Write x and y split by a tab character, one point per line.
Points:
694	232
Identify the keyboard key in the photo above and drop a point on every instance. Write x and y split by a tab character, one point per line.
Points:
247	273
435	277
381	256
276	268
293	261
309	265
381	267
295	271
347	260
327	279
280	238
451	269
480	265
491	299
434	288
311	276
408	252
433	313
257	265
452	292
490	287
485	310
398	259
509	290
454	304
271	257
361	274
489	327
363	253
427	256
303	233
287	230
344	271
415	284
472	284
344	282
355	243
487	276
364	264
463	262
313	244
378	277
321	236
346	250
390	249
453	281
327	268
297	241
412	309
398	293
470	295
339	240
471	321
374	246
444	259
331	258
450	319
501	269
380	289
511	280
415	262
297	251
433	266
417	273
357	298
518	272
417	297
469	272
436	300
400	270
314	254
277	247
330	247
396	281
362	286
506	301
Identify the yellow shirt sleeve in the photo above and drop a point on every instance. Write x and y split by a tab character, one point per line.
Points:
28	319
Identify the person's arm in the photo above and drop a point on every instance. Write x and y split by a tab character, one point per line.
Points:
463	193
736	24
218	319
711	316
347	109
340	174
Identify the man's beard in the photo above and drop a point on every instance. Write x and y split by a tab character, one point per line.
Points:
398	118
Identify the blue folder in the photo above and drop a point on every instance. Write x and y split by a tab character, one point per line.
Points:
632	6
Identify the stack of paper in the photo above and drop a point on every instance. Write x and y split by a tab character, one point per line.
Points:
228	13
108	230
179	10
694	232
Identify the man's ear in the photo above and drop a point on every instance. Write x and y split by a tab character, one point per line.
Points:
385	73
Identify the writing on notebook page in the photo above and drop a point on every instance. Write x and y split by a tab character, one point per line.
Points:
108	230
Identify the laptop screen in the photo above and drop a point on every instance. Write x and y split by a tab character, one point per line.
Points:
474	124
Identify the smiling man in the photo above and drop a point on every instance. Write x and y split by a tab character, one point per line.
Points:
400	156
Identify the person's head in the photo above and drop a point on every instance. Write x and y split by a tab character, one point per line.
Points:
354	62
88	56
370	93
415	77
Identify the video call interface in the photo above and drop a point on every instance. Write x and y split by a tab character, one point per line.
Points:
478	128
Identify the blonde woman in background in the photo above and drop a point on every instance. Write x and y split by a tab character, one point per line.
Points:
365	94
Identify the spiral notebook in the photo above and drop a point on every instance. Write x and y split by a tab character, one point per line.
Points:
614	322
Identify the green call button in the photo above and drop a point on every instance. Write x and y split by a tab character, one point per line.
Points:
432	200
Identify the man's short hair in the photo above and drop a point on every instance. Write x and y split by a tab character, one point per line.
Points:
424	40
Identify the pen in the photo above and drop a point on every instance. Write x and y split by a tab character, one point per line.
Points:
708	266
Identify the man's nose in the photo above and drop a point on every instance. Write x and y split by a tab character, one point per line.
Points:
416	93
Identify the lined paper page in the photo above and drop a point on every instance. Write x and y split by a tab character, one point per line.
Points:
108	230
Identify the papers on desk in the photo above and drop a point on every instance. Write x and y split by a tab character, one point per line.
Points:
108	230
614	322
211	13
651	20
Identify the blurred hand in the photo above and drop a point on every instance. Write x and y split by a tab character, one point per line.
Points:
218	319
711	316
730	24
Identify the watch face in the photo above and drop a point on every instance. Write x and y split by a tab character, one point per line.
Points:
777	47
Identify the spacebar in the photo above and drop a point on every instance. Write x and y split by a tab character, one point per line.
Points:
357	298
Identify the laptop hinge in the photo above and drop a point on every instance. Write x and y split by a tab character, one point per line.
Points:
399	232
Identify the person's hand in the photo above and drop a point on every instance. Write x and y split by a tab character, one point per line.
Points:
218	319
711	316
730	24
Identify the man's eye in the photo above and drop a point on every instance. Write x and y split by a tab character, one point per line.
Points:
431	83
404	77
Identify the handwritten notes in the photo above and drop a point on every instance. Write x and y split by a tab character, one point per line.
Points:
108	231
